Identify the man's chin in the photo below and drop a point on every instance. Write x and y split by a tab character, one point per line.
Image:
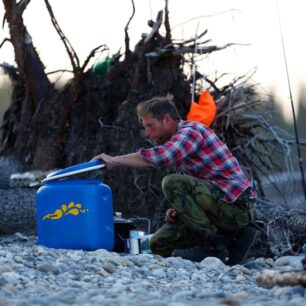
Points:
157	142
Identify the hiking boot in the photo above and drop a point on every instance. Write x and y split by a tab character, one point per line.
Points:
197	253
241	245
211	248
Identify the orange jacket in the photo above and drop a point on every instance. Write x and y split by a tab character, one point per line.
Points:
204	111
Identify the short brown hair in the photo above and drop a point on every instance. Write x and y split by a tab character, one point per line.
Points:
158	107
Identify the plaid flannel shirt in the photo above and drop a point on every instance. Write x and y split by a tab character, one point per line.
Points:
197	151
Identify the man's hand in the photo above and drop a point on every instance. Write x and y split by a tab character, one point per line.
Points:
108	160
129	160
170	215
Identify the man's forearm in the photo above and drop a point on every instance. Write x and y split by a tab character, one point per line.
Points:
130	160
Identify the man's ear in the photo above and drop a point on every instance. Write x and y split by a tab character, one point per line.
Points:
167	118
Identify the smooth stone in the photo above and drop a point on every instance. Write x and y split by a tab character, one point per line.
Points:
63	268
255	265
135	261
155	303
294	262
114	262
269	262
240	295
45	268
21	237
208	293
5	268
102	272
154	266
296	301
38	301
10	277
240	278
144	270
66	296
290	292
98	299
109	279
75	257
182	295
212	264
109	267
126	273
246	271
159	273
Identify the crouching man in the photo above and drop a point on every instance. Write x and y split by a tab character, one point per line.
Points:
209	196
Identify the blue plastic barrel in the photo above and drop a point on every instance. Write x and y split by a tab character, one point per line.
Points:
75	214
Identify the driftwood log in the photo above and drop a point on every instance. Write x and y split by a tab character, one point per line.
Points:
269	279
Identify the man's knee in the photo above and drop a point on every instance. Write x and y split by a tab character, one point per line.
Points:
160	246
174	185
168	182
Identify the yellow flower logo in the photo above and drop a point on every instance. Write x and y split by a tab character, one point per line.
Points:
70	209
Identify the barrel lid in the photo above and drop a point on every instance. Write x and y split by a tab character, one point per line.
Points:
76	169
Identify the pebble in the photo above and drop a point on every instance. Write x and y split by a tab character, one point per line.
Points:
289	262
109	267
35	275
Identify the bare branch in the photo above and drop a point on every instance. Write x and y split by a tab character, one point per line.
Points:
4	20
10	70
155	26
91	54
206	16
183	49
59	70
127	39
22	5
211	83
167	22
209	49
71	53
195	38
4	41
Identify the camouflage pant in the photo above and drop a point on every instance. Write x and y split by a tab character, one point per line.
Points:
200	213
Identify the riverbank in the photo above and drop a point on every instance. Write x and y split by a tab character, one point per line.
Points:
35	275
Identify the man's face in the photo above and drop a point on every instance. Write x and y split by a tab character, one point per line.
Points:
159	131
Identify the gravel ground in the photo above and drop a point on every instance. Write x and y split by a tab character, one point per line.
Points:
35	275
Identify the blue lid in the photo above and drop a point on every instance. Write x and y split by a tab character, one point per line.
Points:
76	168
84	167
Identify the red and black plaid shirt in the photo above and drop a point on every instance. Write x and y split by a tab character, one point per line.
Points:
197	151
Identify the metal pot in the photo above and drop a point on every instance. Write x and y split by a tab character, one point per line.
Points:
138	245
122	228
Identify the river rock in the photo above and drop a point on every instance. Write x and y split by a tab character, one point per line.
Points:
31	274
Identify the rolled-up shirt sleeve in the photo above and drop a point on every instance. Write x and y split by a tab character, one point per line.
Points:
186	141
